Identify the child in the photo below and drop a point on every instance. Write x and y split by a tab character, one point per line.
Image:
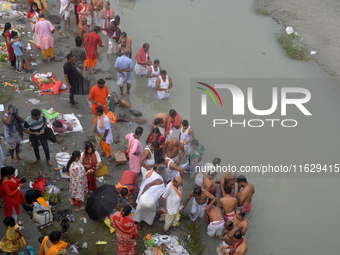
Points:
13	239
18	52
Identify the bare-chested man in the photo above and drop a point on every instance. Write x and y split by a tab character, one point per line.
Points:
172	170
82	30
245	193
121	47
214	218
200	202
97	12
228	204
228	233
209	179
228	178
126	42
147	161
160	121
172	148
239	246
240	222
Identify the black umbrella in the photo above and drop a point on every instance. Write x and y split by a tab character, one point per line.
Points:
101	202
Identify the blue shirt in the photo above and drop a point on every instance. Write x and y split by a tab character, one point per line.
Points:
16	48
124	62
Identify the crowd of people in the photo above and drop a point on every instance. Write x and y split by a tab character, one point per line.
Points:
171	140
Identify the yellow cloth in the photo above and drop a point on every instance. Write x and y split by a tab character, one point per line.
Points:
108	224
101	120
41	5
55	249
42	201
106	148
88	63
120	186
180	188
149	174
48	52
11	234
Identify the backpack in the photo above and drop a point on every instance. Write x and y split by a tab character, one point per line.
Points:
32	195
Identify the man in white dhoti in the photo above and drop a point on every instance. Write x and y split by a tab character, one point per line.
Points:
97	12
147	203
65	7
172	170
147	161
200	203
172	149
214	217
150	179
153	73
142	60
163	85
186	135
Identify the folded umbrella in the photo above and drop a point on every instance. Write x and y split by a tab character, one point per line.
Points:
101	202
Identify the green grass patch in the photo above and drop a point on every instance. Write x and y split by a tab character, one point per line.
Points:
262	11
194	243
291	43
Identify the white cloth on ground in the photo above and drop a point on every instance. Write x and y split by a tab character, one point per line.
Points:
215	228
197	210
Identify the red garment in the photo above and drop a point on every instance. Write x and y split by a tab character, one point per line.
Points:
11	196
171	125
160	139
126	232
128	179
91	178
141	57
235	246
30	15
92	40
10	50
76	11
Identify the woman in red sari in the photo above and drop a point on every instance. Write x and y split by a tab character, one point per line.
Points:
126	231
7	35
85	10
10	191
90	158
158	137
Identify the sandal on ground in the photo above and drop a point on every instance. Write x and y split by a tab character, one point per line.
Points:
82	208
71	202
30	250
20	223
110	159
21	228
166	232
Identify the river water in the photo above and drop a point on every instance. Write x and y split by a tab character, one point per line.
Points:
226	38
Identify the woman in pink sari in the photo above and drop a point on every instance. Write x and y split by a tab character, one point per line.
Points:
85	10
126	231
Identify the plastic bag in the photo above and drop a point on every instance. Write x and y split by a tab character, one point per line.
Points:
107	223
40	184
52	194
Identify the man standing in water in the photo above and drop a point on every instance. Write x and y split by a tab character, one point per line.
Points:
163	85
173	124
172	148
228	204
209	179
97	12
142	60
199	203
124	67
240	222
160	121
228	179
153	73
82	30
245	192
214	218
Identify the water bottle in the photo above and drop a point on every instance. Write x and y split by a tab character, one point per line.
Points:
129	124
